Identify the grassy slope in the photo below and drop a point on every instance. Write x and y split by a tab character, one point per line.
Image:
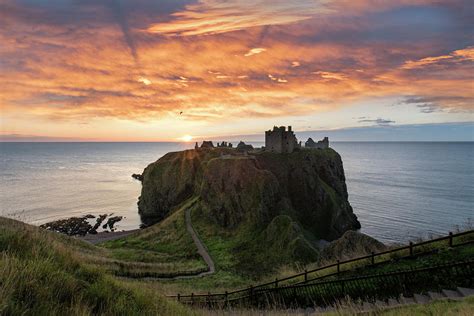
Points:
228	278
165	247
42	273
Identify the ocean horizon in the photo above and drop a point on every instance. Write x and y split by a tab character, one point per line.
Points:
399	190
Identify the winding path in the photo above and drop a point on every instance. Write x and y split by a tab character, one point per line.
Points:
202	250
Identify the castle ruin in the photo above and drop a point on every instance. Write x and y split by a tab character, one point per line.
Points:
322	144
280	140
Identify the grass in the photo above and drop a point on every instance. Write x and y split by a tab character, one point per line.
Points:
43	273
463	307
442	307
162	249
47	273
229	278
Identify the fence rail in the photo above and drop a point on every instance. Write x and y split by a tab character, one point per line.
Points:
371	287
311	276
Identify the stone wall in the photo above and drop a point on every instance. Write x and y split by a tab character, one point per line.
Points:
280	140
322	144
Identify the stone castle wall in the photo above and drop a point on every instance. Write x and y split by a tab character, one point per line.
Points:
280	140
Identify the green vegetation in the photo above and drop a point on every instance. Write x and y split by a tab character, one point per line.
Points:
165	249
42	273
248	208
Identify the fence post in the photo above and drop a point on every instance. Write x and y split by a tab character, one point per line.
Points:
338	267
305	276
450	239
192	298
276	282
373	257
411	248
179	297
226	297
251	293
209	300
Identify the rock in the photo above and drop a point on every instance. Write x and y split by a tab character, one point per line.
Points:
99	221
71	226
80	226
351	244
137	176
233	189
112	220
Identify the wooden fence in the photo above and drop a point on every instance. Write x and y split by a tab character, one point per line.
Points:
311	277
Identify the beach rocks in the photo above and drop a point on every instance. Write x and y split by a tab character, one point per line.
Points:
81	226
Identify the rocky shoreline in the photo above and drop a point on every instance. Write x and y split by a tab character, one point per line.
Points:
81	226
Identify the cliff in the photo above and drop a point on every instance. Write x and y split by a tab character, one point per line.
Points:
302	194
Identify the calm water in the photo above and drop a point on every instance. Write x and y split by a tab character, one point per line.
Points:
399	191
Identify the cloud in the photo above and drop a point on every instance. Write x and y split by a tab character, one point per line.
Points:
330	75
145	81
221	16
120	16
254	51
70	61
378	121
461	55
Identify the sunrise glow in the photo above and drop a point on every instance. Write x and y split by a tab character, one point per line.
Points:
216	67
186	138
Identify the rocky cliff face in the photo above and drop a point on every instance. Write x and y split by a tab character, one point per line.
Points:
237	190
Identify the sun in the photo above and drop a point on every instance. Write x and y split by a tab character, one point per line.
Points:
186	138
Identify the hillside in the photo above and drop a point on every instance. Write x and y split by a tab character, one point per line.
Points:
268	209
44	273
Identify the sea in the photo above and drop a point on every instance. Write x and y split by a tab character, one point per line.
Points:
400	191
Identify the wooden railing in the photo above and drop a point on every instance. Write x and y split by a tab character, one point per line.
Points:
370	287
311	276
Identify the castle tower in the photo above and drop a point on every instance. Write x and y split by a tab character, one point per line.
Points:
280	140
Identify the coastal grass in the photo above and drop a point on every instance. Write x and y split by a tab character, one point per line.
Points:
227	278
164	249
430	255
442	307
42	273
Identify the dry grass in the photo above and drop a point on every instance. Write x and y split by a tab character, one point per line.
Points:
42	273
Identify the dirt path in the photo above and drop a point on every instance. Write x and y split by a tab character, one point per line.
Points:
202	250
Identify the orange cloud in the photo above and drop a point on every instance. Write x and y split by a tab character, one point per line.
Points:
466	54
219	16
305	64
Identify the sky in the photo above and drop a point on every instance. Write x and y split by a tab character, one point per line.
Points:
167	70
